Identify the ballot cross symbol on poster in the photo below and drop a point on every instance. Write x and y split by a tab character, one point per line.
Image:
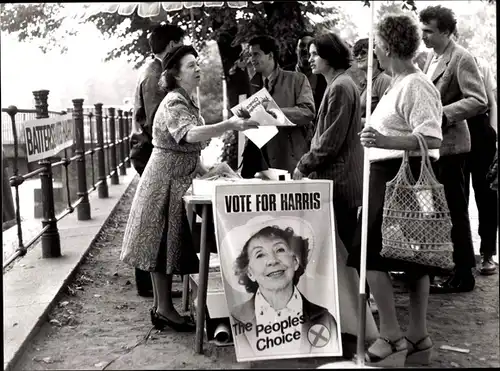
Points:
318	335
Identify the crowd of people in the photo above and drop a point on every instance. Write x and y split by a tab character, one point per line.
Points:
447	98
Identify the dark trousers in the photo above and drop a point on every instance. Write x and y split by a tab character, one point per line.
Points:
450	172
479	159
347	221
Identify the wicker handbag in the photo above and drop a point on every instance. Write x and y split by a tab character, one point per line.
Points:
416	224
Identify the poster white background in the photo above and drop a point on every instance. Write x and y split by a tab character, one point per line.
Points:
318	284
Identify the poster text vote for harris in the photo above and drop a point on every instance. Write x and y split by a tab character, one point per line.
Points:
292	201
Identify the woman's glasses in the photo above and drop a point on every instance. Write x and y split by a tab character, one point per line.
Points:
361	54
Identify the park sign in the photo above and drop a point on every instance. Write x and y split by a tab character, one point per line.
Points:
47	137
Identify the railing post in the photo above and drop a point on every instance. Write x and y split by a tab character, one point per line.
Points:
112	144
127	135
16	180
83	208
51	242
121	127
102	189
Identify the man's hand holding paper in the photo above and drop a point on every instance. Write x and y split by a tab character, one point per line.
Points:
262	108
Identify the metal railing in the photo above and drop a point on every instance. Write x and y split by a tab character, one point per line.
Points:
102	133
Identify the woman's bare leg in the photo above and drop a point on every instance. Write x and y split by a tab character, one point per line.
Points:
163	292
381	287
155	292
419	299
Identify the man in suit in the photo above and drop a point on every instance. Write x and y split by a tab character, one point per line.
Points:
454	72
292	93
146	101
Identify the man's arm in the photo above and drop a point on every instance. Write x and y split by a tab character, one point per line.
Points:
490	86
474	101
303	112
139	118
152	97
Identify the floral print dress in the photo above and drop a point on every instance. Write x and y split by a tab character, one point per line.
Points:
157	236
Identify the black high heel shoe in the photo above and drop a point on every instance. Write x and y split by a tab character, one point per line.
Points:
161	326
160	322
152	312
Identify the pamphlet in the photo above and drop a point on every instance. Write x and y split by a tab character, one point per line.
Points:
262	108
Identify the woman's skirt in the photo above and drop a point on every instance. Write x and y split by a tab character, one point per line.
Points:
157	237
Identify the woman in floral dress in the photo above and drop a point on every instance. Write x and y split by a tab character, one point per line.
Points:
157	236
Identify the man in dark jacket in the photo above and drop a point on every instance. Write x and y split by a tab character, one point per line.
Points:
147	99
292	93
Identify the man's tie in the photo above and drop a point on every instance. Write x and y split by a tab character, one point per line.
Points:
266	83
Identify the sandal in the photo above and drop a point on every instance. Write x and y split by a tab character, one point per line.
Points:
417	355
396	358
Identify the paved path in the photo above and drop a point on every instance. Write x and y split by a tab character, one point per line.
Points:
31	286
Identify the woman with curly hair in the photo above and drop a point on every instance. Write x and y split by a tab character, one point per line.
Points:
410	105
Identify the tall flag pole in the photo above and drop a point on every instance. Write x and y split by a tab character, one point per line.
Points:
360	358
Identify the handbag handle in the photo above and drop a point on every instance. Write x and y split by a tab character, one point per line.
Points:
404	174
425	166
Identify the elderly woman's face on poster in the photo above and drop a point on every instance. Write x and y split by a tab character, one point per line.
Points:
272	264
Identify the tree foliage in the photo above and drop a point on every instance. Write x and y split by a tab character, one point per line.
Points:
233	26
37	21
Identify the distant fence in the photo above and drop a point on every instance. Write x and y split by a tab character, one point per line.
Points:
100	137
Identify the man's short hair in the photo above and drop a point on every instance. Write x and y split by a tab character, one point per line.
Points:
162	35
445	18
268	45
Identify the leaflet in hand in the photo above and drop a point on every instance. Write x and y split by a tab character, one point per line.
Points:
262	108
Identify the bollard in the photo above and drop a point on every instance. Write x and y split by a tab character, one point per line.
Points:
83	208
121	130
128	116
112	144
51	242
102	189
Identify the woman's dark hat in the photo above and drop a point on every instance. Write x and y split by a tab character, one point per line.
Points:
176	54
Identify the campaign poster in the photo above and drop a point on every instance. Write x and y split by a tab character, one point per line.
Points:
276	244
